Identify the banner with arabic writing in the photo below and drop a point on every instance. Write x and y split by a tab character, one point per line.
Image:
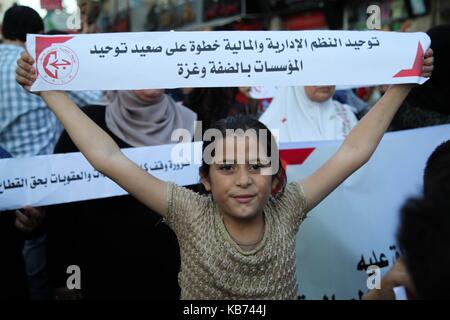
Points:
51	179
144	60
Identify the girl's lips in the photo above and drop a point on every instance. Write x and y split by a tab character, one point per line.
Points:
246	198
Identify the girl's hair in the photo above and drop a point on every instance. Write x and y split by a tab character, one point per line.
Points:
245	122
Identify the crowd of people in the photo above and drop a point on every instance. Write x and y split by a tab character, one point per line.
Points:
163	241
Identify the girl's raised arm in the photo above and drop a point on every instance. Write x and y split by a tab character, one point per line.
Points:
361	143
96	145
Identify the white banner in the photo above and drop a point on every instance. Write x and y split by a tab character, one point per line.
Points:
60	178
124	61
352	228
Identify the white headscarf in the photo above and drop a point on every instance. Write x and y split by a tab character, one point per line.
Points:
299	119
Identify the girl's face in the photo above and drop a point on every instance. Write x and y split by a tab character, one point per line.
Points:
149	96
239	189
319	93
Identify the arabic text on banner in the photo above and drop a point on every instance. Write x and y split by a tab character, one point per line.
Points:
126	61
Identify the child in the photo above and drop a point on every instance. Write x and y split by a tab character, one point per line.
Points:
238	242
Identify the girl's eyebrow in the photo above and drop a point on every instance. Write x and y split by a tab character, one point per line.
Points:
255	160
233	161
226	161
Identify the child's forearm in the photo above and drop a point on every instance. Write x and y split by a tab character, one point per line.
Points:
95	144
365	137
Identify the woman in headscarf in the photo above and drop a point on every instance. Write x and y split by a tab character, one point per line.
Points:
308	113
146	117
122	248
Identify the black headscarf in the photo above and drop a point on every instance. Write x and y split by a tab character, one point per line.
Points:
435	93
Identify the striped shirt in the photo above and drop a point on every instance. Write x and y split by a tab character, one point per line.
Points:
27	126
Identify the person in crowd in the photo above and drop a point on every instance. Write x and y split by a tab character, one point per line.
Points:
210	104
15	227
255	106
238	242
27	127
348	97
429	104
423	236
308	113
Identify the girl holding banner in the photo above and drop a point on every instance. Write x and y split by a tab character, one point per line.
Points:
239	241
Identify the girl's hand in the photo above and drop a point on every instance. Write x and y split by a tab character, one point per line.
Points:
428	63
25	72
427	69
397	276
29	218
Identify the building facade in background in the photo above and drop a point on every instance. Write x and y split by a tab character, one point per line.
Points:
163	15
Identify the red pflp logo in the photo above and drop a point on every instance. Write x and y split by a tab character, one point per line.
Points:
57	64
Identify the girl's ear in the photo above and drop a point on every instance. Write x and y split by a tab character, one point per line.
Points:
278	181
275	182
205	181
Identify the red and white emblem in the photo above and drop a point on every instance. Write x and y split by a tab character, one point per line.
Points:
57	64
